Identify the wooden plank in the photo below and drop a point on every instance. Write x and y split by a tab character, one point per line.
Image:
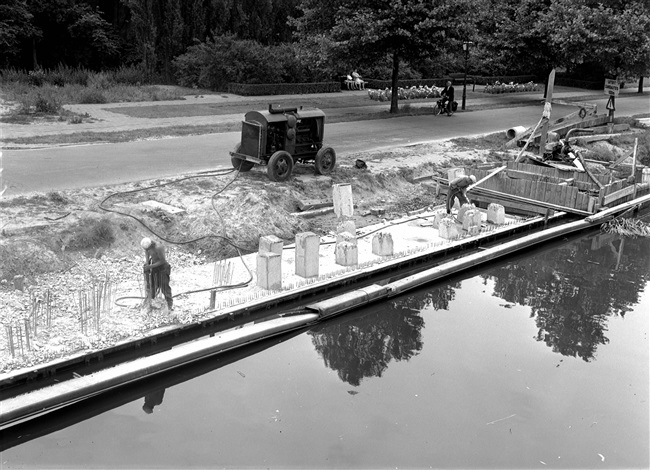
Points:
523	200
617	195
564	192
571	198
310	204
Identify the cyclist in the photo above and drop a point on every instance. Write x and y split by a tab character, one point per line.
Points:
447	96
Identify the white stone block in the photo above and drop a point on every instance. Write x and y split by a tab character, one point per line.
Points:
645	175
346	226
453	173
347	254
269	271
346	237
307	251
469	219
496	214
342	198
382	244
461	212
448	229
270	244
438	215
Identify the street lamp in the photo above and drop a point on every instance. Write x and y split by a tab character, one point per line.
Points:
466	45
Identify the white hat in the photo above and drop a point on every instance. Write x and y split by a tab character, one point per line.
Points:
473	178
146	242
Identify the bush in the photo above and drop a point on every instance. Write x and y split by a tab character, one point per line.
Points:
46	105
36	77
92	96
248	89
217	62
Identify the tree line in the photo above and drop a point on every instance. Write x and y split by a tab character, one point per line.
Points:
212	41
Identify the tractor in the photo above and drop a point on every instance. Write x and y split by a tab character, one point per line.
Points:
281	137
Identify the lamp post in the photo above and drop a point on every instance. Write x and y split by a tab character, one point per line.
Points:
466	45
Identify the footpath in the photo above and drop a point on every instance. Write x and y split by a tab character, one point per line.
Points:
114	117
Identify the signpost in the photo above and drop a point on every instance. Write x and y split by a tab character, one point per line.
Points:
546	115
612	88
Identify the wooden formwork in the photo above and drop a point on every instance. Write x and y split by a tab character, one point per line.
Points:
541	188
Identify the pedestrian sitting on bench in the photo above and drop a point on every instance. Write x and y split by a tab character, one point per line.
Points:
458	190
156	271
359	84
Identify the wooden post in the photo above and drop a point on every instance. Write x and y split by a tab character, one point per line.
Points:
547	110
636	142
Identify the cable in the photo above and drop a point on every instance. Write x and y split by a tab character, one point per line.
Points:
202	174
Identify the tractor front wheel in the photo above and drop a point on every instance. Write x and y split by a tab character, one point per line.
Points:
325	161
280	166
238	163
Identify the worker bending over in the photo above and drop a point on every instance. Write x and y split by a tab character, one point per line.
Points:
156	271
458	189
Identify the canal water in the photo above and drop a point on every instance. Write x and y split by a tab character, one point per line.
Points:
540	361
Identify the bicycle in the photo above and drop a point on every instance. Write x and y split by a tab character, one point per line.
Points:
438	108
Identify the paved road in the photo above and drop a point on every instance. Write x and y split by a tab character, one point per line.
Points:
60	168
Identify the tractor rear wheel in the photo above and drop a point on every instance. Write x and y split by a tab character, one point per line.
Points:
325	161
238	163
280	166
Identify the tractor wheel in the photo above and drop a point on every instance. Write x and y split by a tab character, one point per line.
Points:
238	163
280	166
325	161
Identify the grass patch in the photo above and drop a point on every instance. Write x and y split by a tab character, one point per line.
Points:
90	234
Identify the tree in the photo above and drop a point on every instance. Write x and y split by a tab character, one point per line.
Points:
613	35
365	32
15	25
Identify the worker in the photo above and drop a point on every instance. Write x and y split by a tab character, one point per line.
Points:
458	189
156	271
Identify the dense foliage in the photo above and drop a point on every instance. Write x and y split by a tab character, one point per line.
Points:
215	42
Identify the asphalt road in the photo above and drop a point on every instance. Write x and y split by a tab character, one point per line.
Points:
59	168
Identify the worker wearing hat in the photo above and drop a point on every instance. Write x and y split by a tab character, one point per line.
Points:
458	189
157	270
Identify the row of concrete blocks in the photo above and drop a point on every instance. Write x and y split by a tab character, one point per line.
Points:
470	219
307	252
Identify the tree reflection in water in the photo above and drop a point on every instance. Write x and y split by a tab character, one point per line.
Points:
362	345
574	289
571	290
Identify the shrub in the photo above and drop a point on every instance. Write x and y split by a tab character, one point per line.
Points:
47	105
99	80
130	75
224	59
92	96
36	77
91	234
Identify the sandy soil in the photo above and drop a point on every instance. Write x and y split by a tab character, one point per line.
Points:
71	272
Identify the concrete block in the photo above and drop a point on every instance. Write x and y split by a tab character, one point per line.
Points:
645	175
438	215
269	271
342	196
270	244
347	254
382	244
496	214
448	229
346	225
307	248
346	237
468	219
461	212
453	173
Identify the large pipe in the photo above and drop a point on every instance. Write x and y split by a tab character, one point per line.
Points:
515	132
70	391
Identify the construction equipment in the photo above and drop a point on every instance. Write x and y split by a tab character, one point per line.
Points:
281	137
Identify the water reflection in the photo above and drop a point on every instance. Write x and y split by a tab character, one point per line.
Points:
574	289
153	399
362	345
